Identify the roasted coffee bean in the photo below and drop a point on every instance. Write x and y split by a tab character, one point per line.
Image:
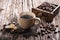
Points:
44	27
55	32
48	37
38	33
52	30
56	25
58	31
48	9
42	30
55	5
42	33
41	27
52	25
46	32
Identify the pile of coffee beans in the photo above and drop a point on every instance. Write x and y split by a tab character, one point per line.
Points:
47	6
48	29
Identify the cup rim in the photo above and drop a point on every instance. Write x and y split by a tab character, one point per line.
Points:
28	13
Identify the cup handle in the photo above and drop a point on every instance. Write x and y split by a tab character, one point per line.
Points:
39	20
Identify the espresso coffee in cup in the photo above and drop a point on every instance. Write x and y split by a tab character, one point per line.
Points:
27	20
26	17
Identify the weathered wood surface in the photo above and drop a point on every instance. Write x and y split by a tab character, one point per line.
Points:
14	7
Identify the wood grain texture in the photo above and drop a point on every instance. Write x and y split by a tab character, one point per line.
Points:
15	7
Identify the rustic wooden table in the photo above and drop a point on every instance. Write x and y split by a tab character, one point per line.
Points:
10	6
28	35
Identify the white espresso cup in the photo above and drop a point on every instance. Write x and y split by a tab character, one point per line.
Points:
27	20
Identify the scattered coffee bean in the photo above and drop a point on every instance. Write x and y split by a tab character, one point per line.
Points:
48	37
